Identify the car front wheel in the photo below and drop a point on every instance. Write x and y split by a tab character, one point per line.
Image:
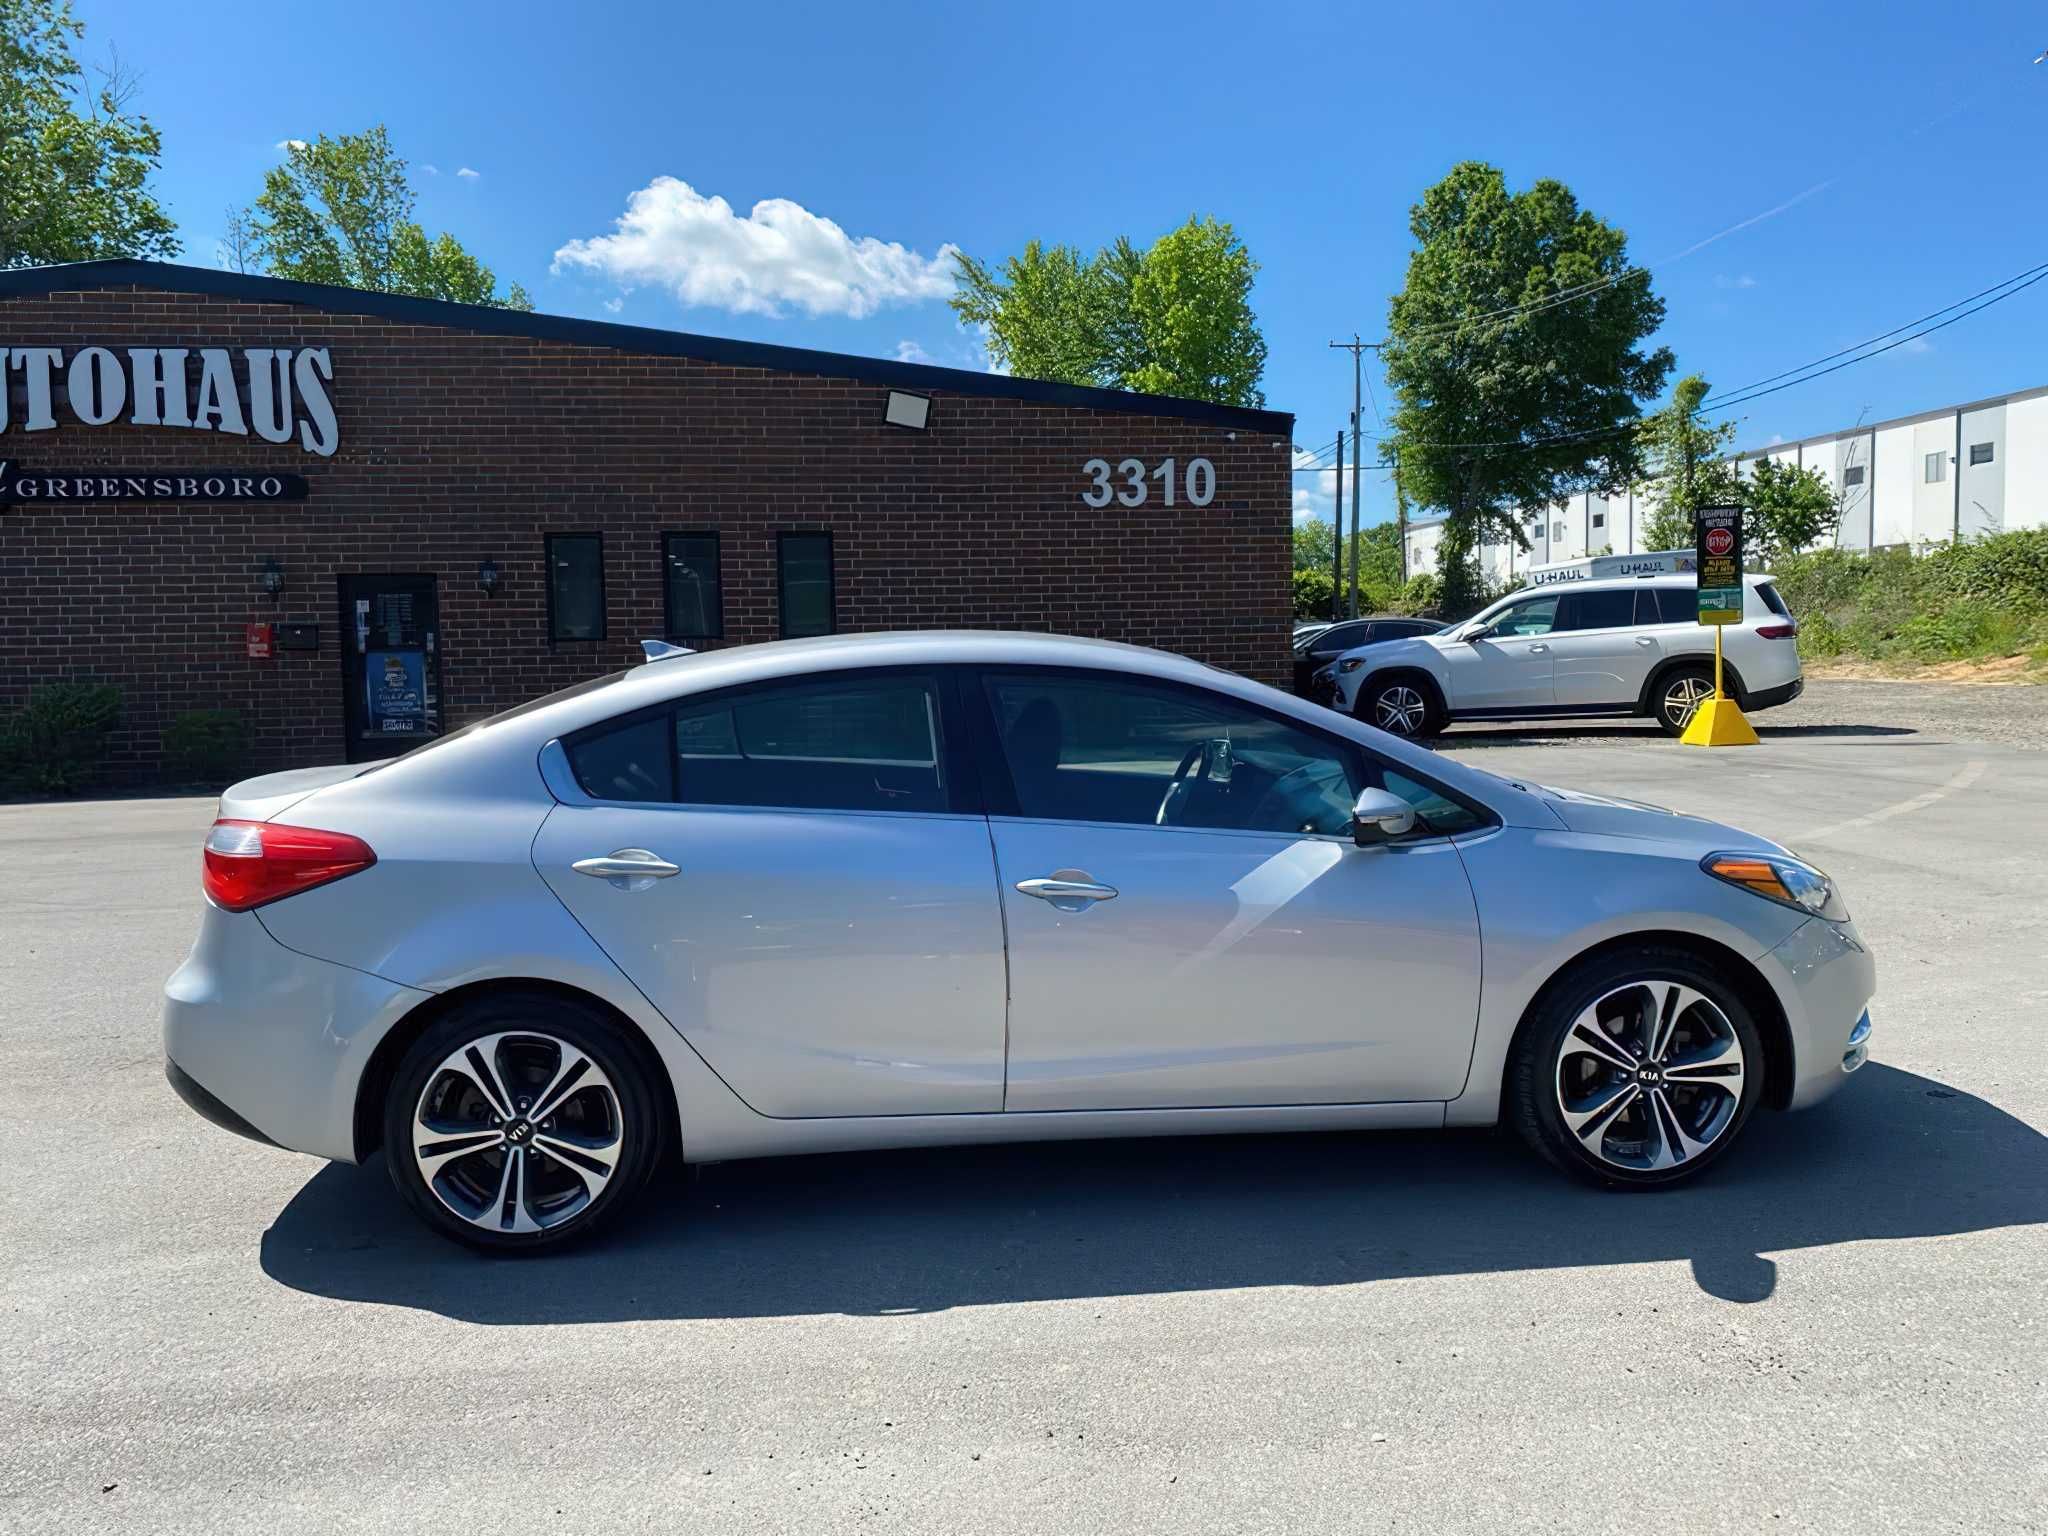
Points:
1400	707
1638	1069
520	1121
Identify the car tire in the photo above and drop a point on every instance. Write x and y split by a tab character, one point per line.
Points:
1678	695
521	1121
1400	706
1636	1069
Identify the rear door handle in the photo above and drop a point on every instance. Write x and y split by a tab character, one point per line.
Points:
629	869
1645	641
1071	890
1538	650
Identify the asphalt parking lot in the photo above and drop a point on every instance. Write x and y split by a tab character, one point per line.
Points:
1842	1329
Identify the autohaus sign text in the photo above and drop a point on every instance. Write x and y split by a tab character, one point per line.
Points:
276	393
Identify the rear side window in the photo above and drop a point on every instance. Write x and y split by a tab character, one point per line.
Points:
1665	605
626	762
1613	609
857	745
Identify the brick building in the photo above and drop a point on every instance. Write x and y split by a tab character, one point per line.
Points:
359	520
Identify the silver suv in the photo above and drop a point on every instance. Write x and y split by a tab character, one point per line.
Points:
1632	646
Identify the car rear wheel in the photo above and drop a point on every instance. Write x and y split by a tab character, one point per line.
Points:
1637	1070
1679	696
520	1121
1401	706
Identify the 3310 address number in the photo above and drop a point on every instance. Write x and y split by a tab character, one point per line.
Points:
1198	484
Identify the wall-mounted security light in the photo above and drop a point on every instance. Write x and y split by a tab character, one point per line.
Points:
911	412
487	578
271	579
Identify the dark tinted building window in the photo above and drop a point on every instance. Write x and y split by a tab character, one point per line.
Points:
1980	453
1598	610
696	602
805	575
575	586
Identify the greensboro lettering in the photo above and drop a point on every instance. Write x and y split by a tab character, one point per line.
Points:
22	485
278	393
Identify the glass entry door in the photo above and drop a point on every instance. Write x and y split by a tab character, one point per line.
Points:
390	662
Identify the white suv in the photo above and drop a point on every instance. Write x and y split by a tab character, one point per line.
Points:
1626	647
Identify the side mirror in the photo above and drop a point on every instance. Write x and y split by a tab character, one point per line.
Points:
1378	817
1473	633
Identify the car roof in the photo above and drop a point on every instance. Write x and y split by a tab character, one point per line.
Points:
1608	583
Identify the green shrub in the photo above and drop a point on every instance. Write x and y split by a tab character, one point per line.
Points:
1312	592
57	742
205	746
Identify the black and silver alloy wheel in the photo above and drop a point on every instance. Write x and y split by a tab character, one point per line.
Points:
1636	1068
1399	709
517	1132
1650	1075
521	1120
1682	695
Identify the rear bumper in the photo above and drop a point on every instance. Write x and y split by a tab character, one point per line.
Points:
1771	698
270	1043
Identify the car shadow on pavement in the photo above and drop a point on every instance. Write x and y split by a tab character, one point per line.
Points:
1648	734
1892	1156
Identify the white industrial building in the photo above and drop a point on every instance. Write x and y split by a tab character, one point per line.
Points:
1963	470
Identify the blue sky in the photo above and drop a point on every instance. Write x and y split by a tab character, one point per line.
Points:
1907	141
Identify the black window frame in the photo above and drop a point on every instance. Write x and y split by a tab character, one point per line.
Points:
782	539
1988	450
555	637
999	791
957	757
1852	474
1318	647
668	608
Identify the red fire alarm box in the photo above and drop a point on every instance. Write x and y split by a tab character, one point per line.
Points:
258	638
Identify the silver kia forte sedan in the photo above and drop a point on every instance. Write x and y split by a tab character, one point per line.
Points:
896	890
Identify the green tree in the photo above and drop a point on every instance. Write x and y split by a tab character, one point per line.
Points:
1516	353
340	211
1686	462
1314	545
1173	319
1790	508
75	163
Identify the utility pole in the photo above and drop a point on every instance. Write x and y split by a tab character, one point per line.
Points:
1337	539
1400	510
1357	349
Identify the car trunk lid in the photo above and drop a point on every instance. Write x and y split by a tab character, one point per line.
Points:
270	794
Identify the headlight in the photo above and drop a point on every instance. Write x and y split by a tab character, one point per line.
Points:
1350	663
1786	881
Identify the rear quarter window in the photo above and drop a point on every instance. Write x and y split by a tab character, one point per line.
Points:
1772	600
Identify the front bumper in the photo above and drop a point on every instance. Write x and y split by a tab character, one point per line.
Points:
1824	978
270	1043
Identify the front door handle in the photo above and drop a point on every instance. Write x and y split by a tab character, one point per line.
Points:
1645	641
1071	890
628	869
1538	650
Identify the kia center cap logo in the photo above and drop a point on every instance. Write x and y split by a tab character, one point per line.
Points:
518	1131
1650	1075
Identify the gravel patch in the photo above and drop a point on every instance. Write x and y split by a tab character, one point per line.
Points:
2013	716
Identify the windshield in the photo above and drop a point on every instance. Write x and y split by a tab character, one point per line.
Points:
590	685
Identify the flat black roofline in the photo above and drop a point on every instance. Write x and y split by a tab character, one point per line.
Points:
173	277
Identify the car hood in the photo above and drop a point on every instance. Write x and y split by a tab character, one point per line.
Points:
1609	816
1418	646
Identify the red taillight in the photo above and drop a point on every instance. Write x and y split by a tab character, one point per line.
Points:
1785	631
249	863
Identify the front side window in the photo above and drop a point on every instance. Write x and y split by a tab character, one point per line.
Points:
1143	754
1538	616
575	586
805	573
1613	609
695	599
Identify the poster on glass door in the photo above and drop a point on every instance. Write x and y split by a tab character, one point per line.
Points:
395	682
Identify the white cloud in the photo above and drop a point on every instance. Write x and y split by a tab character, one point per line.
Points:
911	352
467	174
1917	345
779	254
1723	280
614	305
1304	507
290	144
431	170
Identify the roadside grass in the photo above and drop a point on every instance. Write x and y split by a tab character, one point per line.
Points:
1985	601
